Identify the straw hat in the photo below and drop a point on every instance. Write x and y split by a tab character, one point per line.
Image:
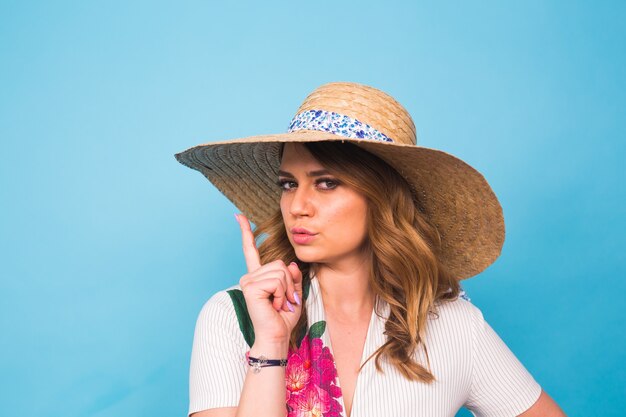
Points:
453	195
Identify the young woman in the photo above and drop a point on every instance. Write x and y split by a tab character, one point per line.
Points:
351	305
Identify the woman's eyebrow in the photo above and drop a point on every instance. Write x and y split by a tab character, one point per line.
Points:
317	173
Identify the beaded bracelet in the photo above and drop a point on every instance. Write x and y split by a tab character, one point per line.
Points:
262	362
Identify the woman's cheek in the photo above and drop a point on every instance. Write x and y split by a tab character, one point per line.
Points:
351	224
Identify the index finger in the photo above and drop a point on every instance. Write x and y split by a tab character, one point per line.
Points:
250	252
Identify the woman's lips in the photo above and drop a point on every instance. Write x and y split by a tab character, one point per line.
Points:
303	238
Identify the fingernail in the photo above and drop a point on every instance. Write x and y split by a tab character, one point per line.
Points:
290	306
295	295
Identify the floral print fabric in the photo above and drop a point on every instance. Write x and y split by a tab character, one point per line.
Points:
311	378
337	124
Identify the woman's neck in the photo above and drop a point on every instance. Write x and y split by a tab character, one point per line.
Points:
345	288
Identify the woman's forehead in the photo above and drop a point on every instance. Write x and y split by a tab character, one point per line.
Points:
296	155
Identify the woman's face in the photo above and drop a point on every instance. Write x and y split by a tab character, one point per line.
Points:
332	215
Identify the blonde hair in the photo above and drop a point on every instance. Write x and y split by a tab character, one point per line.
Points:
405	269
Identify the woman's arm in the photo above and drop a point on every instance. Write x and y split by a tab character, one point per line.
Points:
544	407
263	394
269	291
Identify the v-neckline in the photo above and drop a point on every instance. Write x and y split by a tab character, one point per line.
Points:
364	354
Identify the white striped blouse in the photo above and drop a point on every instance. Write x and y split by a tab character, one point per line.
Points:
473	367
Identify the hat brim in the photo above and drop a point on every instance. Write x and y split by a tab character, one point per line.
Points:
454	196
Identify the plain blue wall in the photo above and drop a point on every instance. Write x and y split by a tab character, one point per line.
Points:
110	247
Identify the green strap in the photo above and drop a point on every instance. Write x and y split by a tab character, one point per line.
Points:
243	317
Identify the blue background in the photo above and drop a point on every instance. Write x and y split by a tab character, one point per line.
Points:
110	247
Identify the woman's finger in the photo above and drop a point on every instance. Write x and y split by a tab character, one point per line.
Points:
288	280
270	270
250	252
278	271
296	276
270	286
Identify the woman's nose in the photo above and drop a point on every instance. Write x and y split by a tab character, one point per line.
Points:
301	203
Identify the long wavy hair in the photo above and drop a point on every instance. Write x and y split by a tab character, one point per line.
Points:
405	269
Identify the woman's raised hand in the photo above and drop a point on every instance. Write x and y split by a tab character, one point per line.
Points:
271	291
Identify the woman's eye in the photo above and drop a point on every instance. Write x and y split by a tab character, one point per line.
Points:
328	184
286	185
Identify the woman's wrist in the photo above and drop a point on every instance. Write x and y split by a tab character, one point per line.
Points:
270	350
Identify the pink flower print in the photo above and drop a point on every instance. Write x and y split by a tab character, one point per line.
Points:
297	374
311	378
312	403
317	345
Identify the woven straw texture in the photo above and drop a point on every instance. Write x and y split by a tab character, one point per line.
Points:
453	195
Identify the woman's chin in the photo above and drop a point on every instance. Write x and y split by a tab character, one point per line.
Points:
307	256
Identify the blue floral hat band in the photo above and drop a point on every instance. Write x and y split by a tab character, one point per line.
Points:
335	123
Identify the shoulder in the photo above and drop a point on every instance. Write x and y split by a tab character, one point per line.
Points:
455	322
458	310
218	313
219	302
